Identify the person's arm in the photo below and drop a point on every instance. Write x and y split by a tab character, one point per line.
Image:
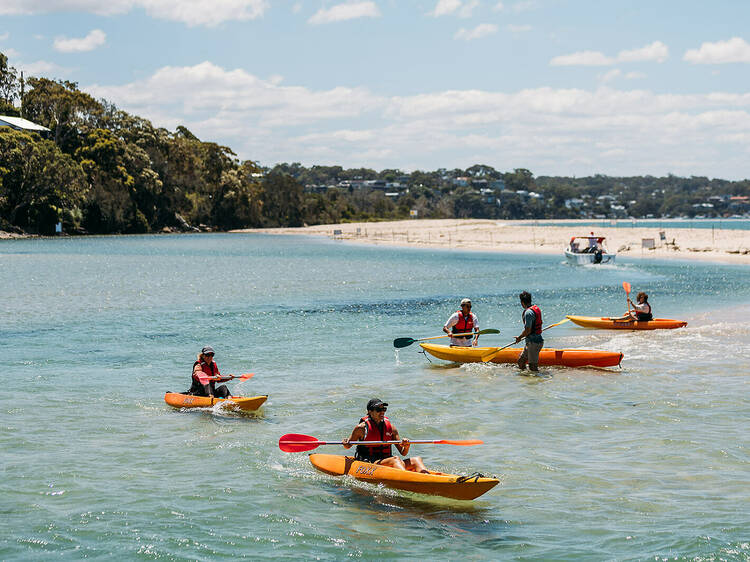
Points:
528	323
452	321
204	379
402	447
476	330
358	433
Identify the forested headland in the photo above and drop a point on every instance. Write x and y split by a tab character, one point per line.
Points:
102	170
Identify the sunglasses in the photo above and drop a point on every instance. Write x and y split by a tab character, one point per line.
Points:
381	409
208	354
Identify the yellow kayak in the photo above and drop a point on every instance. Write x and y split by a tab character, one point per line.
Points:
432	483
618	324
548	356
244	403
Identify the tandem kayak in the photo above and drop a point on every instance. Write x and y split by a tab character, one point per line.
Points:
548	356
617	324
245	403
432	483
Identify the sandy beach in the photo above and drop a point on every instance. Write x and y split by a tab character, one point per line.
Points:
720	245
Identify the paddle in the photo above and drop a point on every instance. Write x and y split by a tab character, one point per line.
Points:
404	342
296	443
491	355
626	286
241	377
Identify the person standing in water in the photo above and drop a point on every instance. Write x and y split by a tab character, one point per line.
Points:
463	321
532	331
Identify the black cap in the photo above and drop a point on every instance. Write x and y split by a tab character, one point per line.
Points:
207	349
375	403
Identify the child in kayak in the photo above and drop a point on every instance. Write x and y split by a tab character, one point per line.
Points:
206	375
641	309
375	426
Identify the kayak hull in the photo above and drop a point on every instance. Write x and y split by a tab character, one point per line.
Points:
244	403
433	484
547	357
611	324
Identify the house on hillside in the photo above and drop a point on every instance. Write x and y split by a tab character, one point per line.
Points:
21	124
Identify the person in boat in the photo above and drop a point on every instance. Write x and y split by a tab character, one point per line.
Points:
532	331
375	426
205	376
641	309
463	321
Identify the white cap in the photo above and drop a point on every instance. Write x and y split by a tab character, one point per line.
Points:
465	301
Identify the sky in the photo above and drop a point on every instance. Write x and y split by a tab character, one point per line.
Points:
559	87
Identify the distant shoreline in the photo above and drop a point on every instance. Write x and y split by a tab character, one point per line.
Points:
536	237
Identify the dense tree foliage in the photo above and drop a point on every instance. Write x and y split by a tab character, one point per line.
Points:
103	170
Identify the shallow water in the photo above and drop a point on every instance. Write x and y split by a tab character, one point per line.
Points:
652	460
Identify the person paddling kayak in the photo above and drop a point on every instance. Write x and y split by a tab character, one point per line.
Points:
641	309
463	321
375	426
205	376
532	331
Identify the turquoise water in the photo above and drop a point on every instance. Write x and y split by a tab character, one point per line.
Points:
650	461
724	224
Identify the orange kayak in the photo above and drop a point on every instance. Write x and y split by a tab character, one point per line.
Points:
432	483
244	403
548	356
617	324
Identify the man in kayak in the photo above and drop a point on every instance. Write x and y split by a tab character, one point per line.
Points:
206	375
375	426
463	321
641	309
532	331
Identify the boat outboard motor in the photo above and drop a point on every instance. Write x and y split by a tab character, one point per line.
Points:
598	256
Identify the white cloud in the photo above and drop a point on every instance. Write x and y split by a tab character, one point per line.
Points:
582	58
515	28
11	53
482	30
552	131
611	75
462	8
656	51
190	12
635	75
498	7
4	36
297	8
735	49
445	7
343	12
95	38
467	9
42	68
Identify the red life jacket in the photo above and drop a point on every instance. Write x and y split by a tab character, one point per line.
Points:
465	324
211	370
372	433
538	319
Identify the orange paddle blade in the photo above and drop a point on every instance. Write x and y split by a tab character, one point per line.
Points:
246	376
626	286
464	442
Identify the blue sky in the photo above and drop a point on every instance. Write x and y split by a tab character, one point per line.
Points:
560	87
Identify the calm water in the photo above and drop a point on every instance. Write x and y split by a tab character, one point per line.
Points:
651	461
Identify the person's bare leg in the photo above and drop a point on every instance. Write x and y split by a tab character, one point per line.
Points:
415	464
393	462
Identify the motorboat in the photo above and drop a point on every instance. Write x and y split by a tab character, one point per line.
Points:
585	250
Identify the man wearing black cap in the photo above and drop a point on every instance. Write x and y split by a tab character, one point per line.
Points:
206	375
375	426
